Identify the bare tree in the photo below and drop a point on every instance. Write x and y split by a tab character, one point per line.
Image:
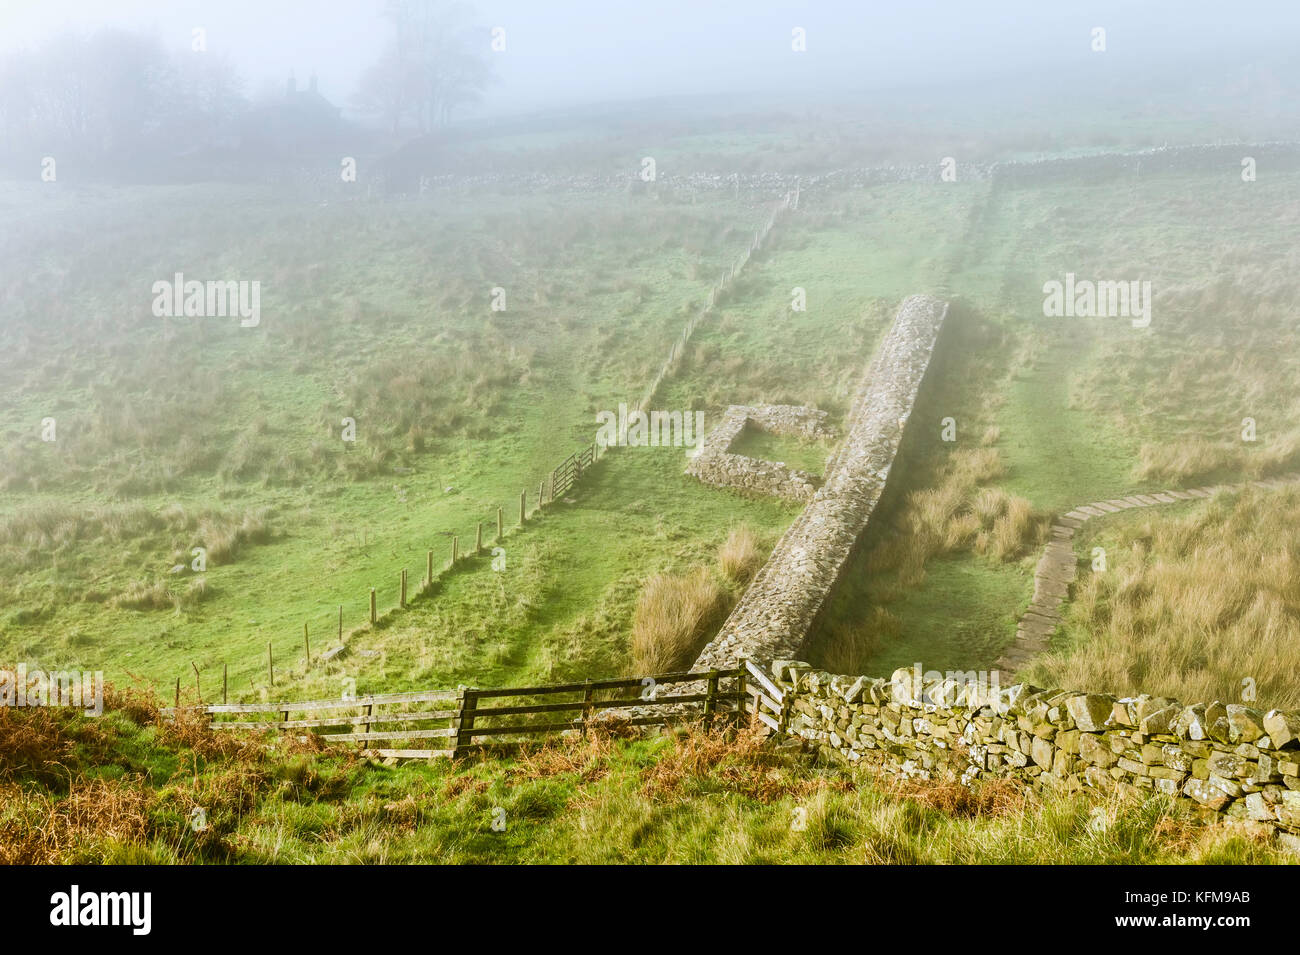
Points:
430	67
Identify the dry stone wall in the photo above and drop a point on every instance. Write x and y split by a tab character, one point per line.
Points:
1229	760
716	464
779	607
1224	158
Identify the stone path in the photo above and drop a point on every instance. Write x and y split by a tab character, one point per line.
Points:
1058	566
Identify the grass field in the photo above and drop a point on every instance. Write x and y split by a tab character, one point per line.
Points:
120	789
176	433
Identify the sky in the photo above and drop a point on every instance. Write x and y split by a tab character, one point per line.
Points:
561	53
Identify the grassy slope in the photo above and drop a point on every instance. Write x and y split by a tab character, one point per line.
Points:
1197	601
1074	404
126	791
1081	405
596	318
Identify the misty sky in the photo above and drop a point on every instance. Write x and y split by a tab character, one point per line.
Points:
565	52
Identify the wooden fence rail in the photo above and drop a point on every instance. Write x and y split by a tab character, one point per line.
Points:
767	703
466	724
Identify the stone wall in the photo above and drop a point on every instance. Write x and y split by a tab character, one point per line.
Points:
1230	759
1106	166
780	606
716	464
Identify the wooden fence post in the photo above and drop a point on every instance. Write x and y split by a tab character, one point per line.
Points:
711	699
374	611
366	724
340	623
428	569
178	693
455	549
478	539
463	721
501	526
523	501
740	687
541	497
586	706
225	676
270	663
198	690
401	600
306	642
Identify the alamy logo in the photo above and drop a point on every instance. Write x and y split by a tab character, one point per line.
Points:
194	299
80	689
676	429
1102	299
74	907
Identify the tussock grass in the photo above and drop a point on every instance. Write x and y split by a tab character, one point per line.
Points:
848	645
672	619
959	513
741	554
676	614
30	536
1198	606
1198	459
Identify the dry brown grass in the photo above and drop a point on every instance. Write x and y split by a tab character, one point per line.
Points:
1193	607
191	730
1197	459
672	617
740	761
998	797
957	513
38	829
40	742
740	555
586	758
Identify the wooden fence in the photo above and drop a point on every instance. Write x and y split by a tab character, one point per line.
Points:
766	702
570	471
452	723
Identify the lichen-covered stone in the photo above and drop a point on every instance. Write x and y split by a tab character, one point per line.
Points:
1206	794
1245	724
1090	711
1283	729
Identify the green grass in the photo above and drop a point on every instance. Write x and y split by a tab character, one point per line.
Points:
1059	455
127	791
806	455
251	418
380	313
960	618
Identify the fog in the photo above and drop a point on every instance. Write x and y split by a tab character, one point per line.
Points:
563	54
